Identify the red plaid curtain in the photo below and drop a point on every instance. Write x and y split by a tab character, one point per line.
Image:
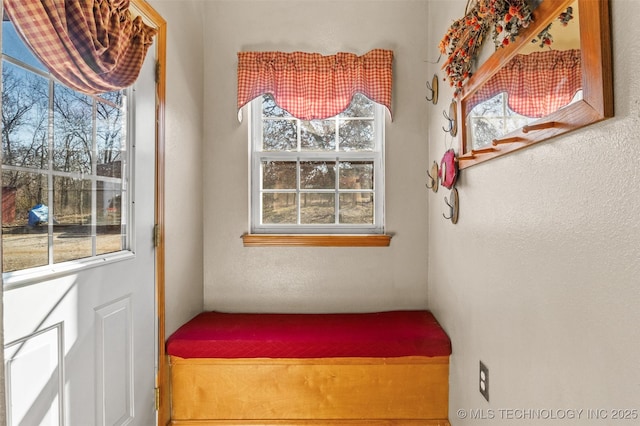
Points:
92	46
311	86
536	84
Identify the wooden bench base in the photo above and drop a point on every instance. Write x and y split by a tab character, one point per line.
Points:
408	391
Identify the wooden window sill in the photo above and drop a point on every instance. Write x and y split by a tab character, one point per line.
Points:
316	240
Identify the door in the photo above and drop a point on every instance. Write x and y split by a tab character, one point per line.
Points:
81	347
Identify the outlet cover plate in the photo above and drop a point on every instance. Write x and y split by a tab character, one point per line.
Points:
484	381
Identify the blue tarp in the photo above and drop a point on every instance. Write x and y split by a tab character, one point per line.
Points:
38	214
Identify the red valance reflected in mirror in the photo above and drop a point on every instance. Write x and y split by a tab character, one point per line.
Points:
556	77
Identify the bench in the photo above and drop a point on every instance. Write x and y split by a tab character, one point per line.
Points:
385	368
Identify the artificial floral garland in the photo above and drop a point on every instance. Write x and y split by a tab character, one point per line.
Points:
545	38
505	19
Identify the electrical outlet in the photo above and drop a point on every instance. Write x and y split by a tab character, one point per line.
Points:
484	381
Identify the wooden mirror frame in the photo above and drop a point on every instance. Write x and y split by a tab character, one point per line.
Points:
597	81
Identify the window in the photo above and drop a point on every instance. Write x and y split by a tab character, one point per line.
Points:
318	176
64	166
491	120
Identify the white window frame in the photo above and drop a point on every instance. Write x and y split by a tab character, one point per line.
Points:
255	180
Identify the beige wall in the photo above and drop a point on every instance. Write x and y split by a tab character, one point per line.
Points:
314	279
540	279
183	163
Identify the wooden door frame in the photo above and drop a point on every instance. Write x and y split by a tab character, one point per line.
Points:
162	376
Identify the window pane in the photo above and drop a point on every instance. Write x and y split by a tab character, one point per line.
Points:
278	175
20	193
73	134
515	123
317	208
110	235
25	250
360	107
356	208
109	239
318	135
110	140
356	175
116	98
317	175
109	203
271	109
13	46
72	210
25	103
356	135
25	216
492	119
279	135
485	130
279	208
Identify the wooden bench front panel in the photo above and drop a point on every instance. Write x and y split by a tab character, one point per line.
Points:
409	390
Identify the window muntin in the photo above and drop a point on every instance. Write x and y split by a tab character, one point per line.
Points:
64	166
318	176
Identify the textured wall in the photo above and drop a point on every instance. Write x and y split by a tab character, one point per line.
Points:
183	163
539	279
314	279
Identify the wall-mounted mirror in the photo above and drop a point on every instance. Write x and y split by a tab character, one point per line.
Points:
556	77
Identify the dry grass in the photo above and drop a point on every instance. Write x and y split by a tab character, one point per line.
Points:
28	247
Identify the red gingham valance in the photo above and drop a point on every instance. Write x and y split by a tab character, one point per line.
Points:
536	84
311	86
92	46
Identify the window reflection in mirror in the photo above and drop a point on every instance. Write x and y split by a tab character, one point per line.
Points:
543	77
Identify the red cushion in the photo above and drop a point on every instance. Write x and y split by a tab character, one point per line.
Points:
240	335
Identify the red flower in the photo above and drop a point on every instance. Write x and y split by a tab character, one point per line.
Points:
505	42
